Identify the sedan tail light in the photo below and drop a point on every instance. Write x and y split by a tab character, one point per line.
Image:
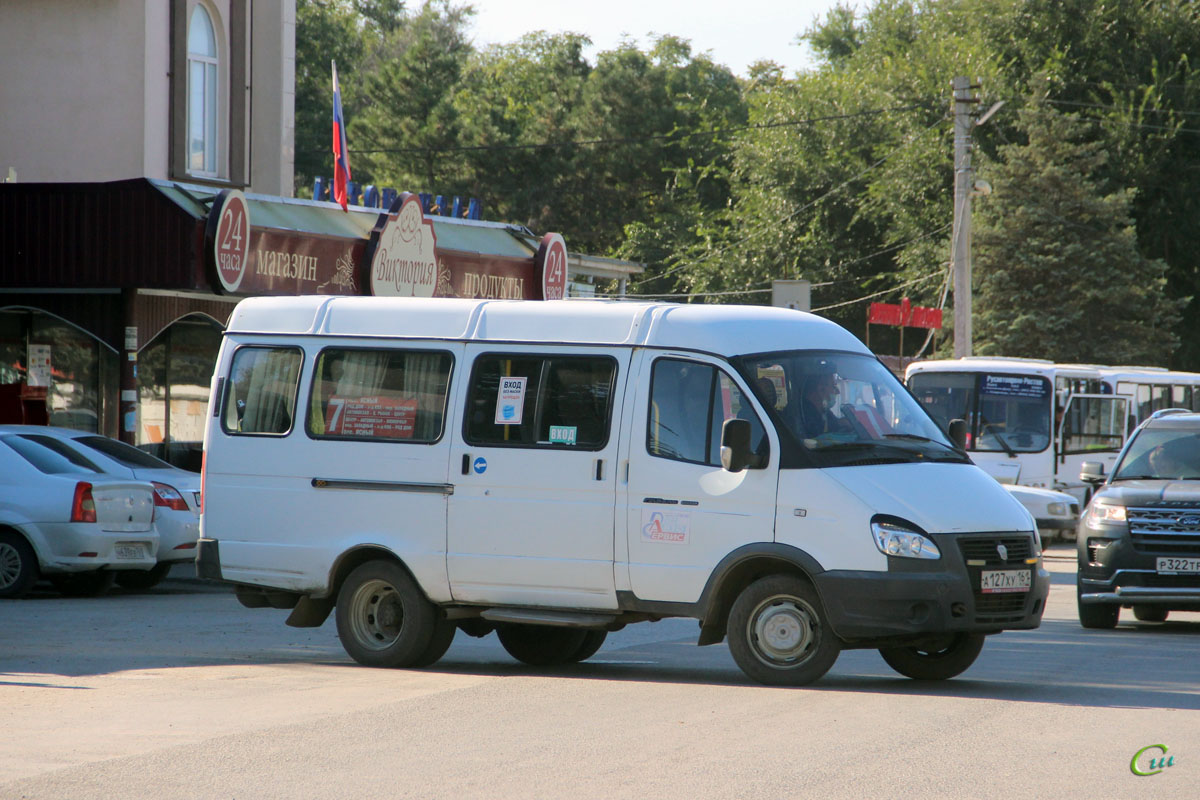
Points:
83	506
169	497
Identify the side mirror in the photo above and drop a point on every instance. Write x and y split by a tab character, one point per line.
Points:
1092	472
735	444
958	433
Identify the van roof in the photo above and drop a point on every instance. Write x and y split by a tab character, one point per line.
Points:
721	329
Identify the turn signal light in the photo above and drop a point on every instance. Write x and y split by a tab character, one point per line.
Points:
83	507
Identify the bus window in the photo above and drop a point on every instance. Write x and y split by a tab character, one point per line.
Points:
1093	424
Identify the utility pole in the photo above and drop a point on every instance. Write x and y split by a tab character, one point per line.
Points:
960	248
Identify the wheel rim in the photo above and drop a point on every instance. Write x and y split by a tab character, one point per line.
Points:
10	565
783	631
376	615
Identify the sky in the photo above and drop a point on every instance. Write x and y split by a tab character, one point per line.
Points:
735	34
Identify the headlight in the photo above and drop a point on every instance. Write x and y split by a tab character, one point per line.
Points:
894	540
1100	514
1057	509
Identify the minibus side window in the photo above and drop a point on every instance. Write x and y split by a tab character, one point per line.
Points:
552	401
379	395
689	402
262	385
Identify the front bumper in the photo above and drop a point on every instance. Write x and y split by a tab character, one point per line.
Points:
915	598
1113	572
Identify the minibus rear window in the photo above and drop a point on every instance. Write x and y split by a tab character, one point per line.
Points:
379	395
555	401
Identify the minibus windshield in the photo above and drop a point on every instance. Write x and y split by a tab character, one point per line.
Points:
844	409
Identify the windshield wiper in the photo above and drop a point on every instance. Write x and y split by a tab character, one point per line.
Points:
983	432
912	437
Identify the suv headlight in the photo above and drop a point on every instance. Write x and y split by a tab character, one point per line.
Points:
1101	514
896	540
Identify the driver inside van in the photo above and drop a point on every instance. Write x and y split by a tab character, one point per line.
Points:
817	400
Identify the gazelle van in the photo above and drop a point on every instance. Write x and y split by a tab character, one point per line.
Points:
553	471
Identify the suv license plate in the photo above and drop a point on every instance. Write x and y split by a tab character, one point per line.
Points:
994	581
1177	566
129	551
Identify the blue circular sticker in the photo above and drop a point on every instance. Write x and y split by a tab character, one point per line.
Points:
480	465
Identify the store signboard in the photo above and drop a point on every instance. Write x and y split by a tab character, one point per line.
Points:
550	265
402	254
243	259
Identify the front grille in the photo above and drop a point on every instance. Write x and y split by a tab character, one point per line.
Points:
1168	528
1018	549
984	552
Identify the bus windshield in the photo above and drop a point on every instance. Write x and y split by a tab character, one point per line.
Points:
844	409
1004	413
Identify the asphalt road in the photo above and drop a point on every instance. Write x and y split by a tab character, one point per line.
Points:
182	693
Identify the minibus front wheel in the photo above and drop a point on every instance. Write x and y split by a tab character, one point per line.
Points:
779	634
383	619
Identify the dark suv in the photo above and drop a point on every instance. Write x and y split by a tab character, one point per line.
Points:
1139	538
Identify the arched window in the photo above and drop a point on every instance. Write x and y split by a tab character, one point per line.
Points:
202	95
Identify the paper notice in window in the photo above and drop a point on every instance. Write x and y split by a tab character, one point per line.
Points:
510	401
371	417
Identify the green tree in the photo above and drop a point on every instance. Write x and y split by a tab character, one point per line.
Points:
1057	266
326	30
406	132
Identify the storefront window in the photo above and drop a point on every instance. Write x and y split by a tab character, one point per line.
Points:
174	373
79	391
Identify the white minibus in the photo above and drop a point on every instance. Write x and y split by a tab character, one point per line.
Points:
553	471
1029	421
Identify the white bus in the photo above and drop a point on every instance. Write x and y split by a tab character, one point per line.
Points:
1150	389
1029	421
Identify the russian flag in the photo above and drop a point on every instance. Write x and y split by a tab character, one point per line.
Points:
341	158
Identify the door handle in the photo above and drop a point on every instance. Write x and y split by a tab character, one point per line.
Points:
599	469
466	465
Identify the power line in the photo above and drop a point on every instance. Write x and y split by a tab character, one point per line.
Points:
1115	107
674	135
770	225
878	294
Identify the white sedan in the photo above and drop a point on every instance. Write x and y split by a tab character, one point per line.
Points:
1056	513
176	494
62	518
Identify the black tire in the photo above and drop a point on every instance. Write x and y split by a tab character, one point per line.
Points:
592	641
18	565
1097	616
142	579
1150	613
383	619
443	635
938	661
779	634
541	645
83	584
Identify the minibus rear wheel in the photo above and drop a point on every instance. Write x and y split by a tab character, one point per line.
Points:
592	640
779	634
383	619
541	645
937	661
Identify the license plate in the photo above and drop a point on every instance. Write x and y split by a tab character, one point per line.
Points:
1176	566
995	581
129	551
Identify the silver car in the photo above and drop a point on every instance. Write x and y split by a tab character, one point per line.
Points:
176	495
63	519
